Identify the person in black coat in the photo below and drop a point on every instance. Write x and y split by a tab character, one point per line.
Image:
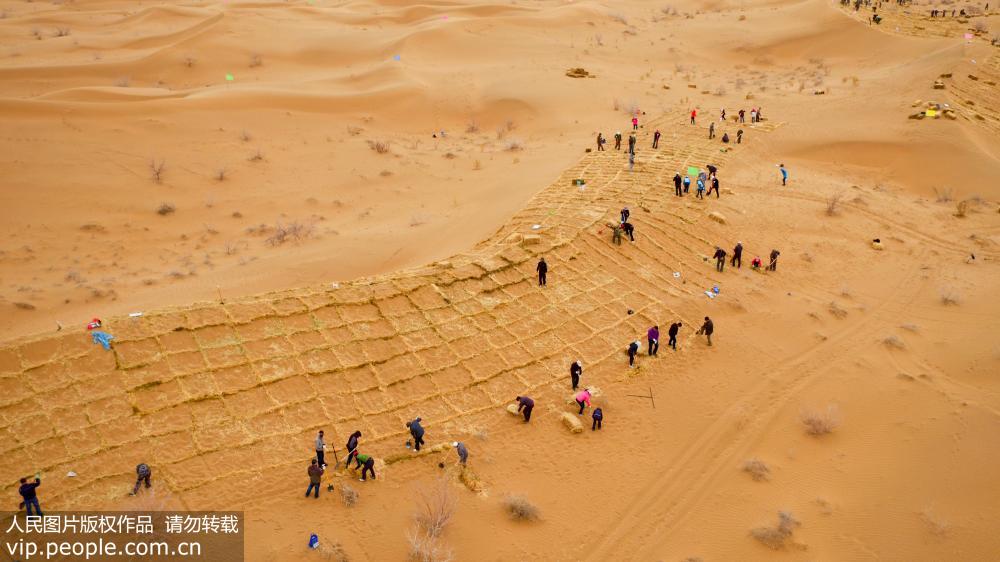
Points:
737	255
677	185
720	259
629	230
633	348
575	370
417	431
352	447
672	332
542	268
526	405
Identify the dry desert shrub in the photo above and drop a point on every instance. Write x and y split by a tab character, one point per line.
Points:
257	156
256	60
477	165
332	552
757	469
385	173
949	296
833	203
436	505
514	145
165	209
220	174
349	495
189	61
291	232
24	305
821	422
354	131
934	523
519	508
62	31
156	169
424	548
910	327
619	17
942	194
836	310
776	538
472	126
379	146
980	27
123	82
245	135
893	342
501	132
962	208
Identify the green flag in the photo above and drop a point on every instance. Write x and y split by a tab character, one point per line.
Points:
693	171
230	77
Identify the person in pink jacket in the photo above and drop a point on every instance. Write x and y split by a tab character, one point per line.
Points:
635	123
583	397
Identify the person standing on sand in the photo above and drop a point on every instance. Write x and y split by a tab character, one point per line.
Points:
616	234
631	144
739	136
583	398
701	188
742	113
784	173
694	113
677	185
720	259
30	495
633	348
526	405
635	123
598	416
315	475
656	139
753	115
618	140
352	447
773	266
542	268
320	449
737	256
672	332
653	335
416	431
687	184
629	229
367	464
711	131
707	328
463	453
600	142
575	370
722	116
142	474
625	213
714	186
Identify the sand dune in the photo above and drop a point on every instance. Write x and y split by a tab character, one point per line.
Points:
292	277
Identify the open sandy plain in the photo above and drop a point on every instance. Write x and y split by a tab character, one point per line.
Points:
304	280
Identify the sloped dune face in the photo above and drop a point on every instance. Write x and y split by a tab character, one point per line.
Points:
330	215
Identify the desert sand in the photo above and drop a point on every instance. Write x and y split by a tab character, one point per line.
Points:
343	236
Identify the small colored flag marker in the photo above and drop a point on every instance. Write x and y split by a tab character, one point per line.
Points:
230	77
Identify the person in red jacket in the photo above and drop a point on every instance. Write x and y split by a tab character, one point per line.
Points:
694	113
635	123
